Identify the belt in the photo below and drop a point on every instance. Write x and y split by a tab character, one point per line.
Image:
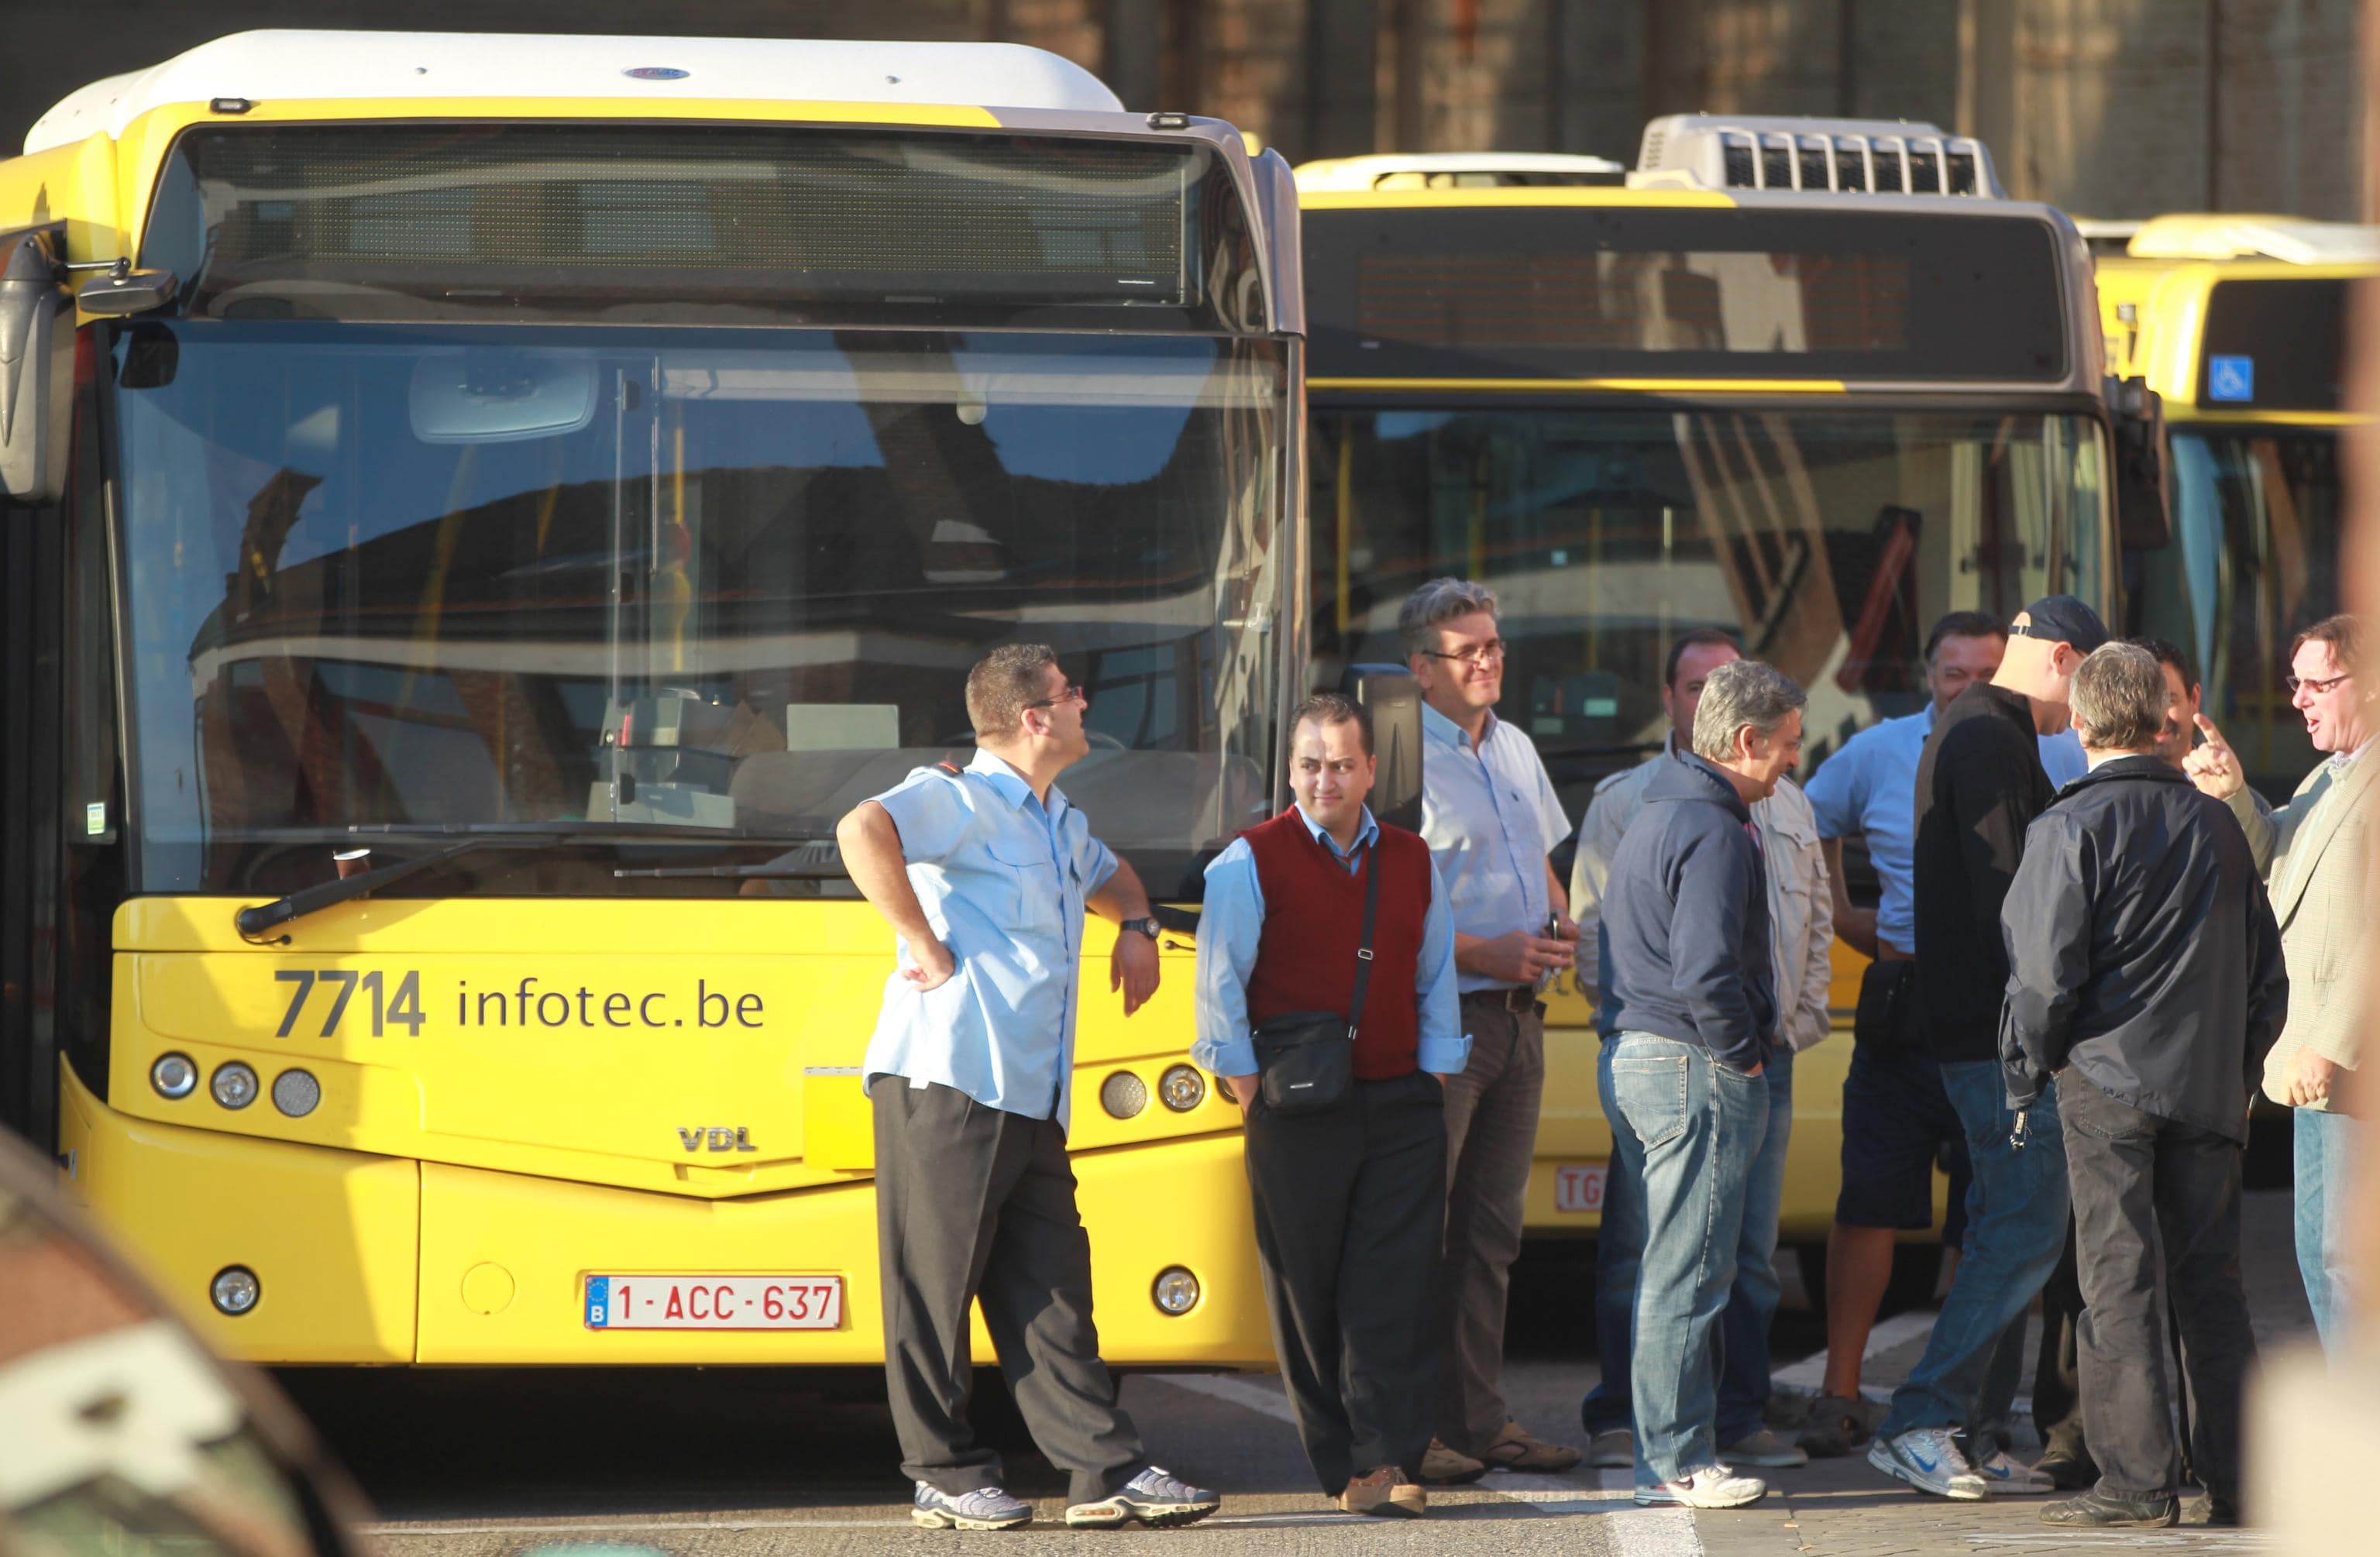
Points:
1524	998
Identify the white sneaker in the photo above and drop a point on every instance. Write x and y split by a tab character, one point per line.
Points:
1929	1459
1711	1487
2003	1474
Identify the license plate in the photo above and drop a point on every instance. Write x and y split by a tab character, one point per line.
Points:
1578	1186
714	1302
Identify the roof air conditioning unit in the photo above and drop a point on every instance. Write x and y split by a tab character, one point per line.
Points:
1836	156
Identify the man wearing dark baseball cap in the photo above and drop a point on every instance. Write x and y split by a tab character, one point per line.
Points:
1980	783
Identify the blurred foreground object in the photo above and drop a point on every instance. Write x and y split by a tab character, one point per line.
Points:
119	1433
2306	1417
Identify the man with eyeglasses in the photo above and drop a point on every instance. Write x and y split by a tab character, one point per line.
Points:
2313	852
984	872
1492	818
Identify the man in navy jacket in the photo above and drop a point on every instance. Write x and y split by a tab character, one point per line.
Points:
1688	1001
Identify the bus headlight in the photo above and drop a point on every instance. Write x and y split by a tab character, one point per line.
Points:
234	1084
1176	1291
235	1290
295	1093
174	1075
1124	1094
1182	1088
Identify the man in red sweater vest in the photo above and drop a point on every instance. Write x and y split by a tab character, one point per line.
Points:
1348	1200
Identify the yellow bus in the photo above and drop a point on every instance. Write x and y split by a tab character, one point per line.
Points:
1816	382
2241	324
481	507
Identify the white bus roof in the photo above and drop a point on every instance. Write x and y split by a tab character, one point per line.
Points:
269	66
1417	169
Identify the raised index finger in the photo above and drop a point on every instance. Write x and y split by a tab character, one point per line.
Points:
2206	727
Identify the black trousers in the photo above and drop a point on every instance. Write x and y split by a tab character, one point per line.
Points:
1349	1213
2137	1179
974	1203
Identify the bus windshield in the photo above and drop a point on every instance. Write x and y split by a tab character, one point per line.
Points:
2254	561
720	580
1827	541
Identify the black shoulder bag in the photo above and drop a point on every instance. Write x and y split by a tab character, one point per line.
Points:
1307	1058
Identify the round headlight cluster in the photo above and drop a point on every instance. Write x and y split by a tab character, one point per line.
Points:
295	1093
1124	1094
234	1084
1182	1088
235	1290
174	1075
1176	1291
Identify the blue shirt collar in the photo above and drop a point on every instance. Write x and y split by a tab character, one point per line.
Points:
1439	725
1366	834
1008	783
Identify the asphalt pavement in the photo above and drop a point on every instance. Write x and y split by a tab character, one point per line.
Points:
740	1463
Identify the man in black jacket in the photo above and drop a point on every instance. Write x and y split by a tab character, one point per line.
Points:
1689	1006
2145	972
1980	783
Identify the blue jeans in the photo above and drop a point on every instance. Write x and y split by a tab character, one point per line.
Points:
2322	1142
1744	1379
1686	1130
2017	1208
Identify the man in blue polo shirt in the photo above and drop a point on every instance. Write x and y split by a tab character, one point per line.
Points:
985	873
1897	1119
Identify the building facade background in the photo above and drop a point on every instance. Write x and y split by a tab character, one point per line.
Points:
2110	108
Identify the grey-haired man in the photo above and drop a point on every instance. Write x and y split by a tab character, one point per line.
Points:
1491	817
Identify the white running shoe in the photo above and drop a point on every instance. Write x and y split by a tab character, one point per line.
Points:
1711	1487
2002	1473
1929	1459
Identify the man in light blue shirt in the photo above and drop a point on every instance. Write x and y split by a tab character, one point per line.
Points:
985	873
1490	816
1349	1198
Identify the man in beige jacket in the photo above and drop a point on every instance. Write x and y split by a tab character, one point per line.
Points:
2311	852
1800	918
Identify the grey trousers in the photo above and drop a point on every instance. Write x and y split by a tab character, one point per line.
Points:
2139	1182
1491	1135
974	1203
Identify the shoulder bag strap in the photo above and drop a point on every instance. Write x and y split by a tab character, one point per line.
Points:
1363	949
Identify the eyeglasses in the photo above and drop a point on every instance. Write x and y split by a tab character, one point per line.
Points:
1477	654
1073	694
2309	684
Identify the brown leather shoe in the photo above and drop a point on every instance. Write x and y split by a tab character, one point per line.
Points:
1384	1493
1443	1466
1514	1449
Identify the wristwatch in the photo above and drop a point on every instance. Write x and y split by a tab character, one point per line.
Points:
1148	926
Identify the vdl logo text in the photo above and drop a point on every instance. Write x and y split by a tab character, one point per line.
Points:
718	1138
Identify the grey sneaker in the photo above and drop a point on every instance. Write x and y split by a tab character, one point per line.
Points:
1711	1487
1765	1450
986	1508
1156	1497
1613	1449
1929	1459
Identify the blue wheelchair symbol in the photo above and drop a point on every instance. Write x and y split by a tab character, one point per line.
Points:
2231	378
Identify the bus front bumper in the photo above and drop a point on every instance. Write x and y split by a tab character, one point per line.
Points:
362	1259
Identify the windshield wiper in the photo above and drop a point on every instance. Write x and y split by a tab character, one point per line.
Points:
253	922
816	859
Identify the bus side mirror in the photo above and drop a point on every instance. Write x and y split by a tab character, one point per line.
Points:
1391	692
2144	512
36	366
